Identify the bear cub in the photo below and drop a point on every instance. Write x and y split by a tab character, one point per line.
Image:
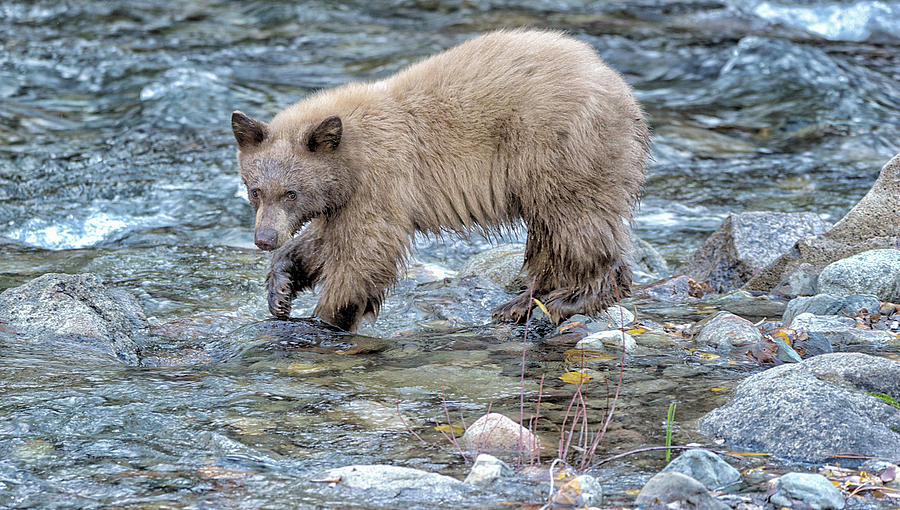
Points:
510	126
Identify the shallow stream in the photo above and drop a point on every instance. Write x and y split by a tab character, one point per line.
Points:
116	158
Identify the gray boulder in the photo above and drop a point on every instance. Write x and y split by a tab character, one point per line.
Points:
810	411
830	304
707	468
747	242
873	223
809	488
63	308
667	488
725	331
874	272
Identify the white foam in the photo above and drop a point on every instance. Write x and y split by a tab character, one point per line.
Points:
836	22
69	233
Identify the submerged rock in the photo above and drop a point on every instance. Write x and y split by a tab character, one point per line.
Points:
875	272
677	289
608	341
873	223
808	488
495	432
747	242
707	468
62	308
725	331
579	492
809	411
396	480
664	489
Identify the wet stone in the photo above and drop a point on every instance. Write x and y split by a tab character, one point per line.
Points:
79	309
839	330
610	341
747	242
725	331
666	489
830	304
495	432
487	471
810	489
802	281
497	268
805	412
707	468
875	272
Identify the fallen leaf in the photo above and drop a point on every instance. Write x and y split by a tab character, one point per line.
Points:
446	429
575	377
541	306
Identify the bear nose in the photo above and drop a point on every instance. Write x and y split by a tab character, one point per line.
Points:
266	239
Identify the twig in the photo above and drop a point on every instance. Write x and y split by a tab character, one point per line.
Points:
411	431
550	496
522	377
654	448
450	424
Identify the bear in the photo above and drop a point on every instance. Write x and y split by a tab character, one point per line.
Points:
509	127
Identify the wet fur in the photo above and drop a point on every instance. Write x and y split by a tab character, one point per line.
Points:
509	126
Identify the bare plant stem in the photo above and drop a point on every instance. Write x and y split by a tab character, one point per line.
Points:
522	377
411	431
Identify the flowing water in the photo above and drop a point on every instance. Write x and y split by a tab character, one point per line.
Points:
116	158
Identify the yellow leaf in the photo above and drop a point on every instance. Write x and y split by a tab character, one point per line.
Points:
446	429
707	356
541	306
719	389
636	331
575	377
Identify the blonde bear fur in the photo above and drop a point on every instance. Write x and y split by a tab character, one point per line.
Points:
510	126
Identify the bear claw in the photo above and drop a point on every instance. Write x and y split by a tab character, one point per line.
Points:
280	295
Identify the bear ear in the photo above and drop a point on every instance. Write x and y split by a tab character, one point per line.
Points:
248	132
327	134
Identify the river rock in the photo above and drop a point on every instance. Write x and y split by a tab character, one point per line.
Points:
839	330
874	272
608	341
747	242
647	264
830	304
807	412
873	223
707	468
61	308
487	471
615	317
495	432
396	480
802	281
725	331
808	488
677	289
580	492
664	489
497	268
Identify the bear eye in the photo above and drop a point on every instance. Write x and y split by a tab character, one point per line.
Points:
291	195
254	193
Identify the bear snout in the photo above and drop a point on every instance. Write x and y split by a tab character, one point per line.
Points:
266	239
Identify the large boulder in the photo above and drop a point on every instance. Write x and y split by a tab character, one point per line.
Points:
747	242
64	308
811	411
873	223
874	272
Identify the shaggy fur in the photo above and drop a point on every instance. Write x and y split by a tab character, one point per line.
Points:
511	125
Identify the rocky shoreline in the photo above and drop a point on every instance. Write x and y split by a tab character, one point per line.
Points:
831	290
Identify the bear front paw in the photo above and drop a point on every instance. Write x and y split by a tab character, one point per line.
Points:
281	294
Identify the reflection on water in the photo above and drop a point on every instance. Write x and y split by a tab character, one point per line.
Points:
117	158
